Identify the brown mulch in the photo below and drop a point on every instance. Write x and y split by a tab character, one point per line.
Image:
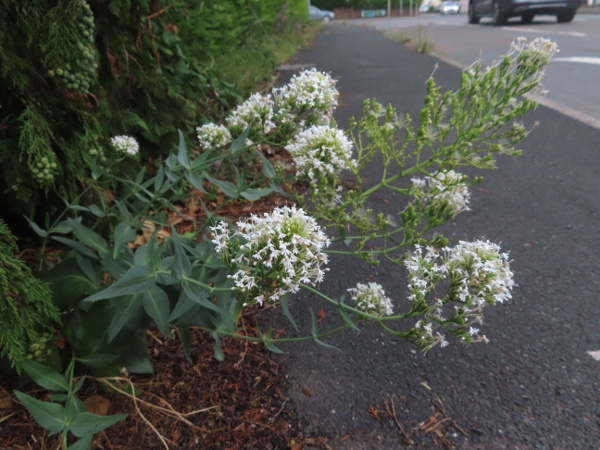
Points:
233	404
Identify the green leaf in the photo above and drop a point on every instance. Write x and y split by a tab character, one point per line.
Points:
36	228
95	210
125	309
286	311
88	422
135	356
267	168
315	331
346	317
84	443
218	350
182	268
97	360
195	180
158	307
137	279
159	178
78	246
226	187
255	194
49	416
199	295
184	304
44	376
87	236
186	342
240	142
182	155
123	234
272	347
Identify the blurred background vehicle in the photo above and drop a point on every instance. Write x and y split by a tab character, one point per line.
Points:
501	10
450	7
315	13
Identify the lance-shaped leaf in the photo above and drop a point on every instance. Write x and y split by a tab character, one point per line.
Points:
228	189
87	422
137	279
87	236
45	376
49	416
157	306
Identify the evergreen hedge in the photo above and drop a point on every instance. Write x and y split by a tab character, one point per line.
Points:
74	73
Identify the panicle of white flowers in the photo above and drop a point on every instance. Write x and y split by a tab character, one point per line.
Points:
540	49
371	299
476	274
309	90
212	136
445	191
125	144
256	111
424	273
321	153
280	250
221	237
481	272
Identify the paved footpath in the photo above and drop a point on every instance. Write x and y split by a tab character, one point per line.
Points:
534	385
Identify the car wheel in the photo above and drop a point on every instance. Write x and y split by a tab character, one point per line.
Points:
472	16
566	16
326	19
500	18
527	18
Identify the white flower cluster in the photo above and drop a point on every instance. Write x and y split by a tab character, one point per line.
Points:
256	111
125	144
213	136
446	191
280	250
532	56
370	298
476	273
540	48
321	152
310	89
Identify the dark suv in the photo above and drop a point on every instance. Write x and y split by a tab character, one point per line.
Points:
501	10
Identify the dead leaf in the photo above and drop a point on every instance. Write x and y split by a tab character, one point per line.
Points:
98	404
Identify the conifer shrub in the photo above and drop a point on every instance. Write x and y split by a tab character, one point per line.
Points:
27	313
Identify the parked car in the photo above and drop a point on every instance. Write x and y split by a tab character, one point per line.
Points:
450	7
315	13
502	10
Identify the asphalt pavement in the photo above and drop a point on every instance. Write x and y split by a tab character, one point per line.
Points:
534	385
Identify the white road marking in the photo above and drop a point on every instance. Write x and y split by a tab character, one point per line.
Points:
537	31
579	59
595	355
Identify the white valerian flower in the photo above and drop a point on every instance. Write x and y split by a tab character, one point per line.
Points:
371	299
221	237
212	136
125	144
446	192
279	251
309	90
475	274
257	111
481	272
321	153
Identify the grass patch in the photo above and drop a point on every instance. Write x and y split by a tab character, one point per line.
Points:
253	65
414	38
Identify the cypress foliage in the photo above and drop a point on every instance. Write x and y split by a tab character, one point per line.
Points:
27	313
74	73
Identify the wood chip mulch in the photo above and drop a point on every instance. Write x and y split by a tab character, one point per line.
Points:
233	404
